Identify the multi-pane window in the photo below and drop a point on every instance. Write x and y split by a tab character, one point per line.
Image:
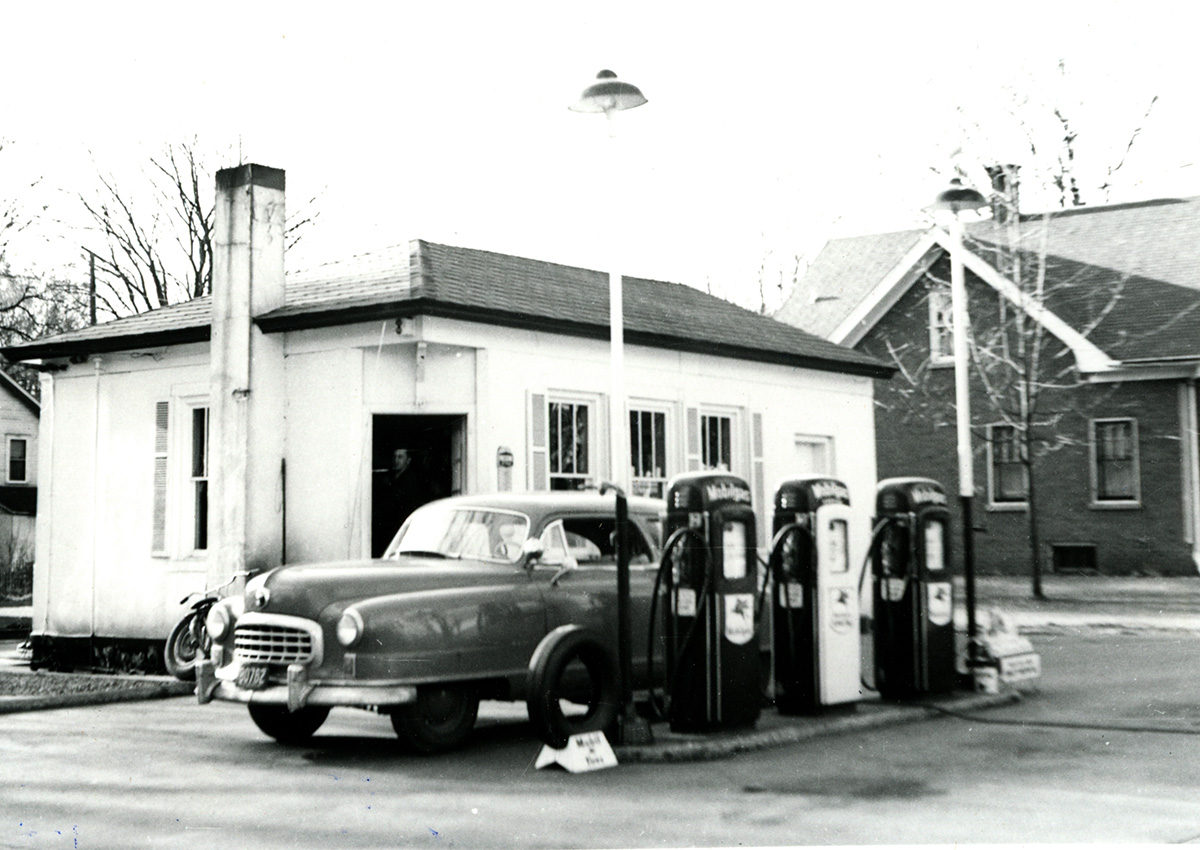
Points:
199	477
716	448
648	451
1115	460
570	462
1010	477
941	327
18	466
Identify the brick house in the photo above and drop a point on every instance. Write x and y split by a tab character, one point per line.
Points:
1116	470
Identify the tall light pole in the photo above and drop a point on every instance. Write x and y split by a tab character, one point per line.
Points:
610	96
954	200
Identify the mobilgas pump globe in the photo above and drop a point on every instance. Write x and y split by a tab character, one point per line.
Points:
913	593
816	642
710	562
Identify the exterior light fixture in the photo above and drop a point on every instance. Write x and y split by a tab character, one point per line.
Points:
955	199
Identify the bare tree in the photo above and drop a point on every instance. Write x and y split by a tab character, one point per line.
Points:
153	245
32	304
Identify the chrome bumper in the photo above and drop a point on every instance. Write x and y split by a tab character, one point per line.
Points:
299	691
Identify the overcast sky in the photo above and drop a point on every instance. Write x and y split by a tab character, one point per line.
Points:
769	127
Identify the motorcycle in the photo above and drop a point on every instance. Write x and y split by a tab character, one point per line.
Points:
188	641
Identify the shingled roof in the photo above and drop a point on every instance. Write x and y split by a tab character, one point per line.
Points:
1128	275
426	278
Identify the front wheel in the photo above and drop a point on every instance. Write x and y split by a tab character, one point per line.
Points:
441	718
288	727
182	650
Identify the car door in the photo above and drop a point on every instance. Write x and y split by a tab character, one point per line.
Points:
582	588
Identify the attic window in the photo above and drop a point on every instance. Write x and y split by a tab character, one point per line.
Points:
941	328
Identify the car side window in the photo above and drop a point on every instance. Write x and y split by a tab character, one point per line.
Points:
554	545
591	541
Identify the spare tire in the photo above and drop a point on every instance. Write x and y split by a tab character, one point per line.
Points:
573	666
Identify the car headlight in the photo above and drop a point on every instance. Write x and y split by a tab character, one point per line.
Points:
350	628
257	593
219	622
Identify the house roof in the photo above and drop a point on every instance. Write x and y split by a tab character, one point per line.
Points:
20	394
1126	276
841	276
426	278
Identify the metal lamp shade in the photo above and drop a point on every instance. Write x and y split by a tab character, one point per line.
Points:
958	198
608	94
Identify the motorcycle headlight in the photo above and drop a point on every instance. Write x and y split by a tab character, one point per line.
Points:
219	622
350	628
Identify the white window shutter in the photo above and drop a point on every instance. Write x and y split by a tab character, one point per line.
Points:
693	439
538	473
159	520
756	464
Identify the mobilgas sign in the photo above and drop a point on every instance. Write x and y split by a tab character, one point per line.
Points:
924	494
827	491
727	490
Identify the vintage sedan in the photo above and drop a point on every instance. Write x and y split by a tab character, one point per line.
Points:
453	612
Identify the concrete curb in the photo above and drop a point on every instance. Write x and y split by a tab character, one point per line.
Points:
134	693
674	747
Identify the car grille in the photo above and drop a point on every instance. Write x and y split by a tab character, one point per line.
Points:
269	644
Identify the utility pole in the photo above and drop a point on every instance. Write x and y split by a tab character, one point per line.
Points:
91	286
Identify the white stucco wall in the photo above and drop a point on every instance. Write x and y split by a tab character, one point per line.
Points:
96	573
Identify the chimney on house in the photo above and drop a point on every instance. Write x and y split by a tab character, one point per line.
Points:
1005	192
246	374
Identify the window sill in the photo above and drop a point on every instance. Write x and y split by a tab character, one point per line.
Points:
941	363
1007	507
1115	506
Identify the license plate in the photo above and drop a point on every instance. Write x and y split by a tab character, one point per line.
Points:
252	678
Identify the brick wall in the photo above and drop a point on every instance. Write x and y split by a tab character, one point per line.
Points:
916	435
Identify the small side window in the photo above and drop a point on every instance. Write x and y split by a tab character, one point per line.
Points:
554	545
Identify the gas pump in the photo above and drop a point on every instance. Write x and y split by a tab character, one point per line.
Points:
913	593
816	641
710	570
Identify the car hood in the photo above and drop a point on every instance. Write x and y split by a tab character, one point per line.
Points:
307	590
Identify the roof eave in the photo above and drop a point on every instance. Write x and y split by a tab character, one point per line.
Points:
50	349
524	321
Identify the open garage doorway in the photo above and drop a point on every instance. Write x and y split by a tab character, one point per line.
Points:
414	460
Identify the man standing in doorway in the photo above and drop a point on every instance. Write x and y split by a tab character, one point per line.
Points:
399	490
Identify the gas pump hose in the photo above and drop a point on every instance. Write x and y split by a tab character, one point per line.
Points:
775	572
876	535
664	567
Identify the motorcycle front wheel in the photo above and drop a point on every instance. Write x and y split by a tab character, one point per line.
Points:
182	650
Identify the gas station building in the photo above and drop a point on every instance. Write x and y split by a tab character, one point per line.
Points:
249	428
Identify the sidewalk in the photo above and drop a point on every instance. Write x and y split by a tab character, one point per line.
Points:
1091	603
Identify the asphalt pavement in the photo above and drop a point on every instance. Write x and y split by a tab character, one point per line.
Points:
1069	604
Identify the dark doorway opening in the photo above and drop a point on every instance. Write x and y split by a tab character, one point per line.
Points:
414	460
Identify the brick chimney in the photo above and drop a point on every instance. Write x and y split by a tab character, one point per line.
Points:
1006	198
246	377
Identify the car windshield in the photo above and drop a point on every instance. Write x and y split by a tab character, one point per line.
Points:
461	532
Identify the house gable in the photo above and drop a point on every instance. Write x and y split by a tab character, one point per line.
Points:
1122	290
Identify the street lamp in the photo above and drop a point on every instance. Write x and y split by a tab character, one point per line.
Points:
954	200
610	96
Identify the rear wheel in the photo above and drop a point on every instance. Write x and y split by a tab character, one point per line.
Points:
441	718
181	650
288	727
